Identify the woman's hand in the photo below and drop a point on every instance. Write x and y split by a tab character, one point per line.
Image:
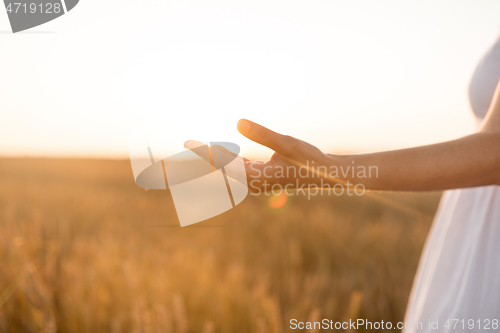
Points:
289	152
470	161
290	165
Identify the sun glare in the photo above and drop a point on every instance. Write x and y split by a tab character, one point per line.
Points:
278	201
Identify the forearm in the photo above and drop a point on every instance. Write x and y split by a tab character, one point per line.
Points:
470	161
467	162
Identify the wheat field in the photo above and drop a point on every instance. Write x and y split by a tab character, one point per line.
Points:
82	249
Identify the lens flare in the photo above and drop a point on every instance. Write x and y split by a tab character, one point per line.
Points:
278	201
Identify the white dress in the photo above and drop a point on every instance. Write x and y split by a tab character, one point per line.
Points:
459	271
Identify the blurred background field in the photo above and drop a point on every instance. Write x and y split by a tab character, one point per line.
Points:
82	249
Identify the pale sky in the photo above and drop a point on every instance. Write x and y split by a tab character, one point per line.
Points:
344	75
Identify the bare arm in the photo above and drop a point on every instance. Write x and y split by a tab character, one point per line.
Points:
470	161
467	162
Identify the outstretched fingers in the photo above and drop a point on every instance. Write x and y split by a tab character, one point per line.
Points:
216	154
264	136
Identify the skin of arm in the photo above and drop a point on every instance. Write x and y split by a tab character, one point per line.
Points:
470	161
